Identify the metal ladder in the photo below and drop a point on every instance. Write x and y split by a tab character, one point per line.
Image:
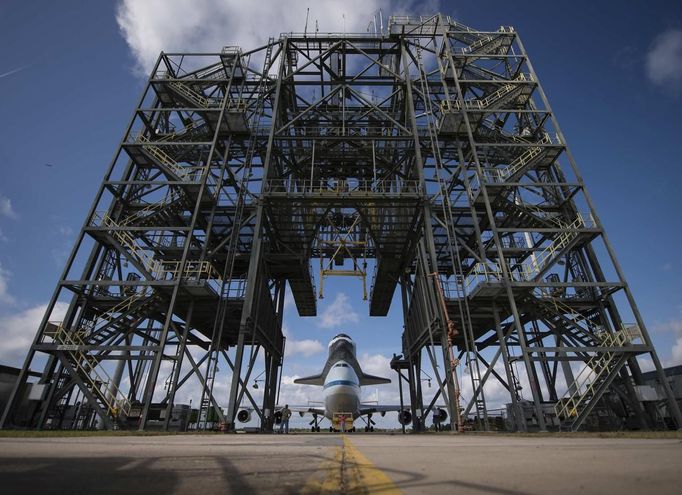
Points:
470	350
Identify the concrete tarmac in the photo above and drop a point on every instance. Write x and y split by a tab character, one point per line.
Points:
332	463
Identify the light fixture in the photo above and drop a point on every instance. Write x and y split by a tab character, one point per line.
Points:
258	379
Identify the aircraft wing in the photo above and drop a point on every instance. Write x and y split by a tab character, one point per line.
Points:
305	409
366	379
374	408
311	380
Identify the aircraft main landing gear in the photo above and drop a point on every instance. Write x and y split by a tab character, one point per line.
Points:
315	424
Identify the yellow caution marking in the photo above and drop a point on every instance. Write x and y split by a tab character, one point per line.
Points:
328	478
363	475
349	471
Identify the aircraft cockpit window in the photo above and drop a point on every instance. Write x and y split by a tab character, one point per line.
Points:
342	335
341	365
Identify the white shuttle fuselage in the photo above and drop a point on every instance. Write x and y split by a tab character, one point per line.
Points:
342	378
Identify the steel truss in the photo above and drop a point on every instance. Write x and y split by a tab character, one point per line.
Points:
430	149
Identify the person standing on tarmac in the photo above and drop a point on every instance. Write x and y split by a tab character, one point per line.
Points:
286	414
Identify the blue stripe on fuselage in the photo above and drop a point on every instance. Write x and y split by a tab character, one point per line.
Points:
341	382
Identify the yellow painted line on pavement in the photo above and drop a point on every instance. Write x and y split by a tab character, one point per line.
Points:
328	476
349	471
365	477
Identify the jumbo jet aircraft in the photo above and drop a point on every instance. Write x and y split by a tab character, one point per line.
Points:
342	378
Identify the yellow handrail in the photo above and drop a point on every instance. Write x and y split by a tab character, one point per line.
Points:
598	366
112	397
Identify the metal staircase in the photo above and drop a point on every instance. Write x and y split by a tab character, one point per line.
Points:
520	165
595	377
120	317
494	100
562	314
153	267
164	159
199	100
538	262
156	214
90	370
488	44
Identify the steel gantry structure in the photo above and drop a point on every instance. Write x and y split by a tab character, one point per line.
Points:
428	148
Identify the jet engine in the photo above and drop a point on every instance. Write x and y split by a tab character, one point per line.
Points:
440	416
244	416
404	417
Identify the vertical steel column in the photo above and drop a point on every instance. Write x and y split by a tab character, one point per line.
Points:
506	276
428	232
517	414
255	259
179	355
156	363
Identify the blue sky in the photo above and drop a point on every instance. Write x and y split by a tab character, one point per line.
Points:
70	77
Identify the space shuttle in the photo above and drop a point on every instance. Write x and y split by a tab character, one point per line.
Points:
342	378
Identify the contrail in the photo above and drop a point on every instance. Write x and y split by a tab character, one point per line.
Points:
14	71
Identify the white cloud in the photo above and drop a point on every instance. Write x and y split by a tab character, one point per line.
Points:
5	296
645	363
376	364
6	208
153	26
339	312
673	326
289	302
300	395
676	353
307	347
664	59
65	230
207	25
18	330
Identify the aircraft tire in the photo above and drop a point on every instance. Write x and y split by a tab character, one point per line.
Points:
371	428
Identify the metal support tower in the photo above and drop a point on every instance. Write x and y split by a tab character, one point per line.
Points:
429	148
